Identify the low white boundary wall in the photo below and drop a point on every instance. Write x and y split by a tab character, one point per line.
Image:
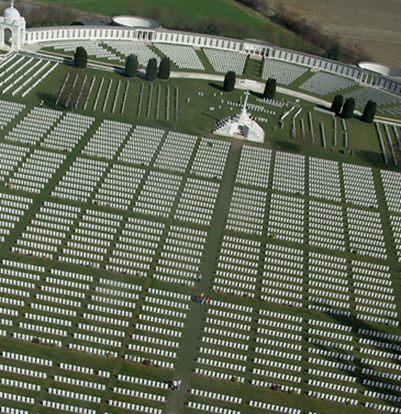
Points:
255	48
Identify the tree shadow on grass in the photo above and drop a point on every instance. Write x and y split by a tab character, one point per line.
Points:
326	108
374	159
216	86
361	372
286	146
47	98
256	94
69	61
210	116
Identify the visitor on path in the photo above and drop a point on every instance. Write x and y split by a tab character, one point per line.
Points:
207	300
178	384
203	300
199	278
175	385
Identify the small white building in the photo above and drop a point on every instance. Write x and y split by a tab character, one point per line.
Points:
12	28
240	126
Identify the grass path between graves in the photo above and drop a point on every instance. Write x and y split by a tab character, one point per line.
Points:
192	333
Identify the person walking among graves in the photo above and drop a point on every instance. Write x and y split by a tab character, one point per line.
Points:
175	385
199	278
178	384
207	300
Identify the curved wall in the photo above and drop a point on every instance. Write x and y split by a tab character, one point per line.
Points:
257	48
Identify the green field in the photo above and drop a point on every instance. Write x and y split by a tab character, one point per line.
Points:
188	8
148	212
178	105
226	12
195	323
196	116
192	8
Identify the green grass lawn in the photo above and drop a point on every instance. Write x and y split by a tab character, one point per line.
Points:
199	115
195	322
200	105
189	8
196	117
225	11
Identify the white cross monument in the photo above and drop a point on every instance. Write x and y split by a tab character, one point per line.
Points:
240	126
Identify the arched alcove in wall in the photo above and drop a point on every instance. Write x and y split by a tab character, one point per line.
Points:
8	37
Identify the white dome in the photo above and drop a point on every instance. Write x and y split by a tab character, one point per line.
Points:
137	22
380	68
11	14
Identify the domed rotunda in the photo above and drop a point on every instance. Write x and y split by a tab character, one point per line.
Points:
12	28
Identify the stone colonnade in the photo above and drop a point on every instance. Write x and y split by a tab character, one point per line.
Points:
264	50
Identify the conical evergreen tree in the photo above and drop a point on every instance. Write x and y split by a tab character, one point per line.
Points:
229	81
164	69
270	89
348	108
131	66
369	112
151	70
337	104
80	57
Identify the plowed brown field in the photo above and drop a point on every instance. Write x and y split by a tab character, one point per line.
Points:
373	24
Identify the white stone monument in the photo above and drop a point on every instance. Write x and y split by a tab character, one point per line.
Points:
240	126
12	28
